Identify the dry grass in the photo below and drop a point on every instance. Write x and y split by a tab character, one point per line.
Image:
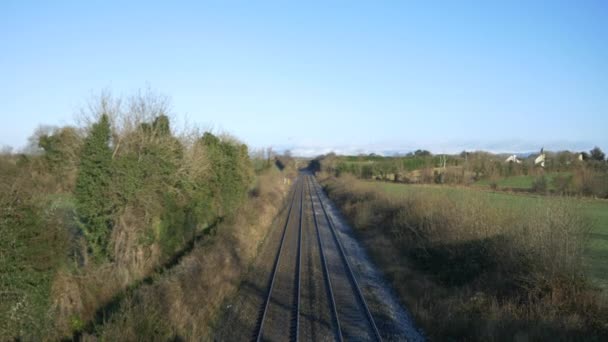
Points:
471	270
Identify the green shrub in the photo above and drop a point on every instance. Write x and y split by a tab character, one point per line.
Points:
540	184
563	184
33	245
62	149
93	188
230	172
175	226
367	172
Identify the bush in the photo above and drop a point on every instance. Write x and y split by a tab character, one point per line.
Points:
539	184
62	149
589	182
597	154
231	171
33	245
563	184
367	172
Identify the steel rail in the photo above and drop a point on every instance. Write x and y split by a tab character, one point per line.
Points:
325	268
276	267
350	271
298	271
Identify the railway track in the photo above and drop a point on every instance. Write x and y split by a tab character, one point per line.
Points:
334	306
281	306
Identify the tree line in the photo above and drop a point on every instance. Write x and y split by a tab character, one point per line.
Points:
582	173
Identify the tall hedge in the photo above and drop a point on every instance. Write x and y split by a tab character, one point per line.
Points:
33	244
92	188
230	173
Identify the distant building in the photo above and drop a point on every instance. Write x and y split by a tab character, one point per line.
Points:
540	159
513	159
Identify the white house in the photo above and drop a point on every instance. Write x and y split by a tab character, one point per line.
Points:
513	159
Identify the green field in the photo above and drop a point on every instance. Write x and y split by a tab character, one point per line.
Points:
595	210
519	182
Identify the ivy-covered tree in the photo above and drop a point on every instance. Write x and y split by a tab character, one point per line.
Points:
61	153
230	171
92	188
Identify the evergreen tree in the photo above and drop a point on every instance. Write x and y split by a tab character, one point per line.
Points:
161	125
92	188
230	174
597	154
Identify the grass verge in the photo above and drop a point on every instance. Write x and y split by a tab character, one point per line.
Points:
478	269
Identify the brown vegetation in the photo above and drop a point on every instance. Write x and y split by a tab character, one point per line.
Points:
468	270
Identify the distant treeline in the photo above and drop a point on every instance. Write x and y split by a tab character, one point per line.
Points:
91	209
573	173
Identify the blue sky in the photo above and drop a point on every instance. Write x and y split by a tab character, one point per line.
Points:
352	76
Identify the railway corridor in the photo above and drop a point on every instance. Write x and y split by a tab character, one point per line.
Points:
313	294
314	283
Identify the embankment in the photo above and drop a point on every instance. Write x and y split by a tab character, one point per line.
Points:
182	304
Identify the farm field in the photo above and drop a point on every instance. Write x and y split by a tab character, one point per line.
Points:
519	182
595	210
